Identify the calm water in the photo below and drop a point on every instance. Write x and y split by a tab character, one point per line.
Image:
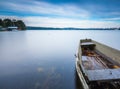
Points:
44	59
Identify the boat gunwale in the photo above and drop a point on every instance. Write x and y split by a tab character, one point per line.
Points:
79	58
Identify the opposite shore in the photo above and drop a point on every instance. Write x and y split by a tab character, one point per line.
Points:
68	28
9	25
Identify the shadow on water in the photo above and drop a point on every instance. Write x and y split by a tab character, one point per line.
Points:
77	81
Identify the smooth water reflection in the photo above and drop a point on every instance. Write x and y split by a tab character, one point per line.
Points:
44	59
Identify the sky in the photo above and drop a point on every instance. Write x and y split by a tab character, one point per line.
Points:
63	13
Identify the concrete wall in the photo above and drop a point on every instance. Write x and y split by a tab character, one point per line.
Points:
108	51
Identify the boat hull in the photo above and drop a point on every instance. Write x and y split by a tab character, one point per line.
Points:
101	75
80	75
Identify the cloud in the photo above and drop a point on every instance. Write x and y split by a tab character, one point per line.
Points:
65	22
44	14
39	7
112	19
11	17
40	21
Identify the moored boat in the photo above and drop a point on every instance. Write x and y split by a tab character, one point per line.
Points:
97	65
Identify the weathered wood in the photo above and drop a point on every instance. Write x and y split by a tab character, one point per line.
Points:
103	75
94	61
112	53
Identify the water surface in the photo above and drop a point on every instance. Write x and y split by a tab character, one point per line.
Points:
45	59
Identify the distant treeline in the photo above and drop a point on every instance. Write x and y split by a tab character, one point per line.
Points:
51	28
8	23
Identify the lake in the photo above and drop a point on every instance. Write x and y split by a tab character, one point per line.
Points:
44	59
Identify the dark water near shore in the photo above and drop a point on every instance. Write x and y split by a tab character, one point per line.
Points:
45	59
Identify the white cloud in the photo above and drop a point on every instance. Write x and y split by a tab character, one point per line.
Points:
65	15
35	7
65	22
11	17
112	19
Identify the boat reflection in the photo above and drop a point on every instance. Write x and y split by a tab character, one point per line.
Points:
78	84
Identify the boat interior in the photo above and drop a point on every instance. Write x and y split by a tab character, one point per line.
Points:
93	59
98	68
